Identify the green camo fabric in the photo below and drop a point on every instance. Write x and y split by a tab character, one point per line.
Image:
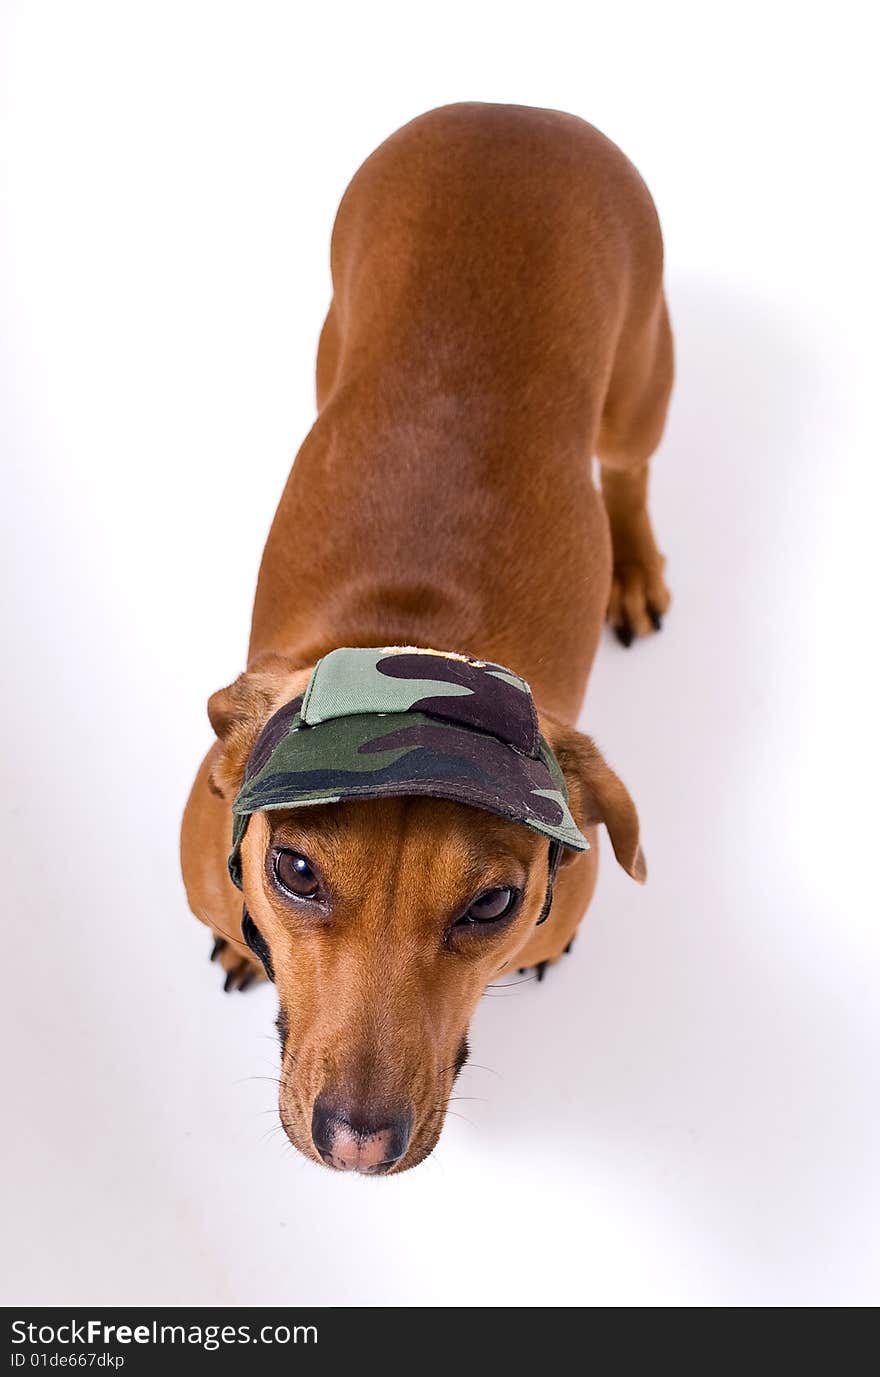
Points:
399	721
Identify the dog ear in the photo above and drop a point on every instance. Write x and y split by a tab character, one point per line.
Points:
239	712
596	795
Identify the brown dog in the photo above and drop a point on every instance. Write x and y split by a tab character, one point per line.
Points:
498	319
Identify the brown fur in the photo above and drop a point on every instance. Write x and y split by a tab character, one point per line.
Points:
498	318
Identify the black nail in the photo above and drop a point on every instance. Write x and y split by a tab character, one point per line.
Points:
229	982
522	970
624	634
217	947
656	619
247	979
540	969
568	948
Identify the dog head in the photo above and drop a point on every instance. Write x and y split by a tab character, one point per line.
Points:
382	921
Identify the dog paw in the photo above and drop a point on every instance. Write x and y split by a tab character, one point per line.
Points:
239	967
639	599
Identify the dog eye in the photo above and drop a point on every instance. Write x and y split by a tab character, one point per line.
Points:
295	875
491	906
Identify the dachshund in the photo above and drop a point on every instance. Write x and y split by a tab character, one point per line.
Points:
498	322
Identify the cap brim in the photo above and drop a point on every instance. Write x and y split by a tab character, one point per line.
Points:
411	755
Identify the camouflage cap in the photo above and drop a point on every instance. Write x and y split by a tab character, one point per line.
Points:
400	721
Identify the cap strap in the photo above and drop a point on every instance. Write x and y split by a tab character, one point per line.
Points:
256	941
555	854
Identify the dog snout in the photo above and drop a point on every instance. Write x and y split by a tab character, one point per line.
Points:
349	1140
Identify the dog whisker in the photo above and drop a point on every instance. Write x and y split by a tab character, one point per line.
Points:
270	1133
510	984
463	1118
214	927
507	993
441	1112
451	1067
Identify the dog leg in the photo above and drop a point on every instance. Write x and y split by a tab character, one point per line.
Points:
540	967
240	968
204	843
555	938
632	424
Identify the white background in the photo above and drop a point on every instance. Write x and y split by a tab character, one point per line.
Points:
685	1112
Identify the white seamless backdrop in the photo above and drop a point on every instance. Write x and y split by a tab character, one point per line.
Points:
685	1112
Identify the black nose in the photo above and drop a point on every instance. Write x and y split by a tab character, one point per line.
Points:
351	1141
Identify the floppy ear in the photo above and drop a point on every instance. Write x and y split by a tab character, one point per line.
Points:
239	712
597	795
